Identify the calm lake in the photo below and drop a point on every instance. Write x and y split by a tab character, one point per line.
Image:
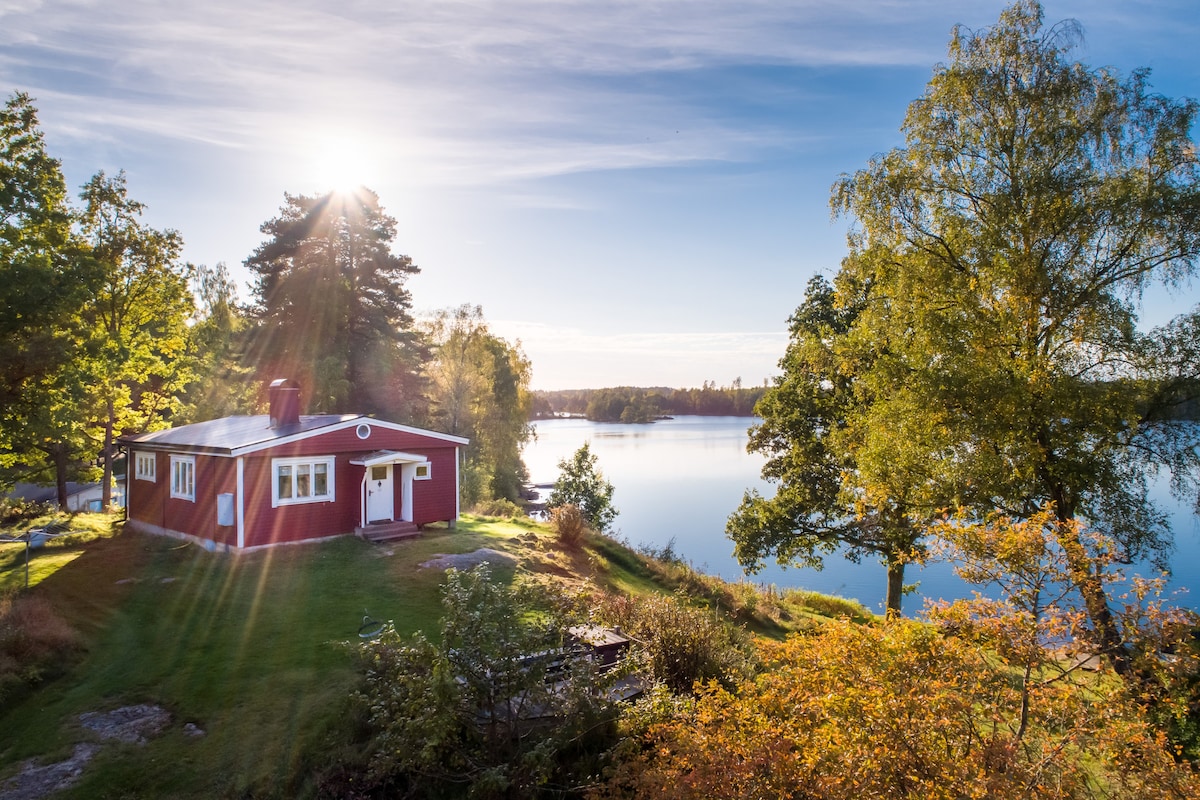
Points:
681	478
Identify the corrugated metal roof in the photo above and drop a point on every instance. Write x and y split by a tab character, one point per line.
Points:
230	433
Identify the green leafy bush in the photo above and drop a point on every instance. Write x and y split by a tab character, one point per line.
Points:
680	644
496	708
581	484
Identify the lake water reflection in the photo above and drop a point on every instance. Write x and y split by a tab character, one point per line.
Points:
681	478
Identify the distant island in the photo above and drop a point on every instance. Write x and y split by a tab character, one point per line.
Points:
633	404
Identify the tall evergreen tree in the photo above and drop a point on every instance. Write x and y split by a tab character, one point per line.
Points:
332	308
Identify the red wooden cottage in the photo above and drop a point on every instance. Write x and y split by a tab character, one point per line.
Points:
255	481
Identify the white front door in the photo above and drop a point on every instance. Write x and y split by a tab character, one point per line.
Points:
380	503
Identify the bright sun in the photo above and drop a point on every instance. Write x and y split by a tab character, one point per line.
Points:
341	164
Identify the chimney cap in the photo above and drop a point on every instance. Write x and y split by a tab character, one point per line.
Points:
284	383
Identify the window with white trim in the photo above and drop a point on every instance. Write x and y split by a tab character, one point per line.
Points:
183	477
422	473
144	466
301	480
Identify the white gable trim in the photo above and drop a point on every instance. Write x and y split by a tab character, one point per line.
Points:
389	457
395	426
353	422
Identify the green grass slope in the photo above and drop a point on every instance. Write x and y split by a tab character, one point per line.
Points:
251	649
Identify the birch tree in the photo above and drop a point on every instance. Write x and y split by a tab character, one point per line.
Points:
1003	250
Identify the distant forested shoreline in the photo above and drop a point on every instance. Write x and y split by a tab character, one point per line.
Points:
643	404
646	404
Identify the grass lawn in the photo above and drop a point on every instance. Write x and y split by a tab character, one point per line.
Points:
251	649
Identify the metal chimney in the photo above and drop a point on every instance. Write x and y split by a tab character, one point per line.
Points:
285	403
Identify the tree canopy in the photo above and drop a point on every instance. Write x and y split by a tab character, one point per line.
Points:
137	363
96	308
42	291
1004	249
217	341
814	422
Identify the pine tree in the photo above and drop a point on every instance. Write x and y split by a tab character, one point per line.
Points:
332	308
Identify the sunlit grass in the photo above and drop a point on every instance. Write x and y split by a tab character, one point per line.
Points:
55	553
42	564
250	648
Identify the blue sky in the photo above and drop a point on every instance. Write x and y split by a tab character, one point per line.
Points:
638	191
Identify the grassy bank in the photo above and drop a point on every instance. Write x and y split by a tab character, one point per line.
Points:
251	649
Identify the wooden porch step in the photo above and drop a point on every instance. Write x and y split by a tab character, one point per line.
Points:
388	531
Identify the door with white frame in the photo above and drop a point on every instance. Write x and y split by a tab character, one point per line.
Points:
380	494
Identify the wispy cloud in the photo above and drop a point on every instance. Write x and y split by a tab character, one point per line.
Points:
472	91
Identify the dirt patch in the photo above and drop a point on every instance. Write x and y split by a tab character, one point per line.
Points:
463	561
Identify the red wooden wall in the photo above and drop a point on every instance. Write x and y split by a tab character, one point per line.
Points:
434	500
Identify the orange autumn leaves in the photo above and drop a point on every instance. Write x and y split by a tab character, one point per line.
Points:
979	700
899	710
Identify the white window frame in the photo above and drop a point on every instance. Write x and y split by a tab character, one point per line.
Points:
295	467
145	466
183	477
427	467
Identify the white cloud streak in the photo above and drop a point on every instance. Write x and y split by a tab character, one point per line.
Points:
471	91
465	91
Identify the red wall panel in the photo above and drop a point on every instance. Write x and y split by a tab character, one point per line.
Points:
144	499
436	499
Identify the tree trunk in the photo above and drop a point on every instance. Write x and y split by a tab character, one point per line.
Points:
107	457
59	455
895	585
1084	572
1091	587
